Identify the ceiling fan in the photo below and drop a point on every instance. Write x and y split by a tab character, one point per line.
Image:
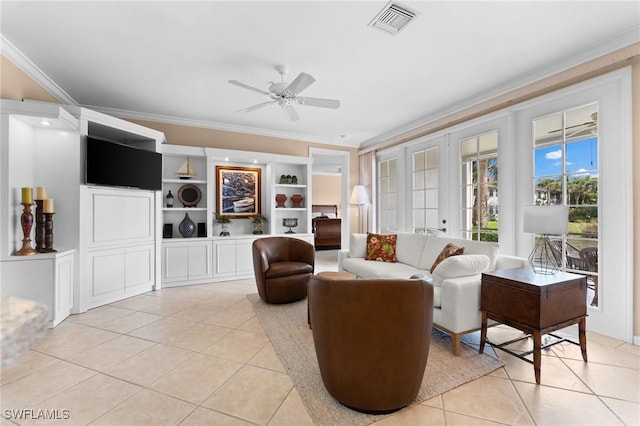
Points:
581	129
286	94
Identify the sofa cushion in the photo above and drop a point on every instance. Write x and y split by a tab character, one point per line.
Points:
357	245
372	269
432	249
381	247
460	266
448	251
409	248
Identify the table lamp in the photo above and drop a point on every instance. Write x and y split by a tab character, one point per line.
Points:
546	221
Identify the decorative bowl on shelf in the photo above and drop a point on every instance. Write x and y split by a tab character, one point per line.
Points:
290	222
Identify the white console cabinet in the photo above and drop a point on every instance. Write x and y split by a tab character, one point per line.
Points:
43	278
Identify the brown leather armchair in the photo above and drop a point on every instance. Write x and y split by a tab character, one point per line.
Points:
372	339
282	267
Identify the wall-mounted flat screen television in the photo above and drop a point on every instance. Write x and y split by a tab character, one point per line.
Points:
113	164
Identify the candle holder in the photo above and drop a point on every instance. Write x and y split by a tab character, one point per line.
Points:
26	220
39	225
48	234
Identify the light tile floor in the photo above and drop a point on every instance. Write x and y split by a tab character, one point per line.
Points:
197	355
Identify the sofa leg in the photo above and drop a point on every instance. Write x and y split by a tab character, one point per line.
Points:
455	340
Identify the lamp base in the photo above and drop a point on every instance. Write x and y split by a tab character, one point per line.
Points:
542	259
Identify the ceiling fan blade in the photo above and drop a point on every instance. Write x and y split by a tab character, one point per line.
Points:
585	131
255	107
246	86
302	81
319	102
293	115
587	123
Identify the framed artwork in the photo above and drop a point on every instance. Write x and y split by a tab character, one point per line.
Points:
238	191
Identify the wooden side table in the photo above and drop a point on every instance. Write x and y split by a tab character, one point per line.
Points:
536	304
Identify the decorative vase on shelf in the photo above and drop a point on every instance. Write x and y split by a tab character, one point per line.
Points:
187	227
280	199
296	199
257	228
224	230
169	199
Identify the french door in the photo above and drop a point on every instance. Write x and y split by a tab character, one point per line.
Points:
576	150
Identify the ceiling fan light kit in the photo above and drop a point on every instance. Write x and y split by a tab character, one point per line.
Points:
285	94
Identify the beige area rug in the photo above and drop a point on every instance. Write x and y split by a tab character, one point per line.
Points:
286	326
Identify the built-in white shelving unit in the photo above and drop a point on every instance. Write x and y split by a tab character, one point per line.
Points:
211	257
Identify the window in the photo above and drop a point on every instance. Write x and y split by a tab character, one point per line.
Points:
425	190
387	202
479	206
566	172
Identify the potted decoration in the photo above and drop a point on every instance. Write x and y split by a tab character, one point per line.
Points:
258	220
224	220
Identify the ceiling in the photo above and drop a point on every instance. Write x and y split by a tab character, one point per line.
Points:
171	61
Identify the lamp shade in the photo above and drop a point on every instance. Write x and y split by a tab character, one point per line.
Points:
359	195
553	220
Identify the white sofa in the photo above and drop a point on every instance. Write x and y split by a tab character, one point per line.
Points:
456	307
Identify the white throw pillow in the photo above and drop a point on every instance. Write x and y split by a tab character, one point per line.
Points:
460	266
357	245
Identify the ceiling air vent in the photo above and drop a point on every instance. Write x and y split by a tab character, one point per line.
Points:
393	18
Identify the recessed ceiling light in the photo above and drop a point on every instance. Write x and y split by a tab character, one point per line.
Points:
45	122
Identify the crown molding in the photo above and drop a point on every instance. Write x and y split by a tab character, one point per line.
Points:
158	118
12	53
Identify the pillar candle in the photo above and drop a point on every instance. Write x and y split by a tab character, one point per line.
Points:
47	206
41	193
27	195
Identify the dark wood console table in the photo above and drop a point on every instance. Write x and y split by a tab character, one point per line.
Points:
536	304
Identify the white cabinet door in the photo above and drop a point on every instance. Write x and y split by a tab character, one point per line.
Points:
106	272
186	261
224	253
175	258
199	263
244	257
139	269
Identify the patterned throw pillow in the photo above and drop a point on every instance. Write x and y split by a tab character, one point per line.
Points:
381	247
447	251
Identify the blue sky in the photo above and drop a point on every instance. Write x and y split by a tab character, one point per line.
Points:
582	157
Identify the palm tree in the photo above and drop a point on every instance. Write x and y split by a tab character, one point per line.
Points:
488	172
